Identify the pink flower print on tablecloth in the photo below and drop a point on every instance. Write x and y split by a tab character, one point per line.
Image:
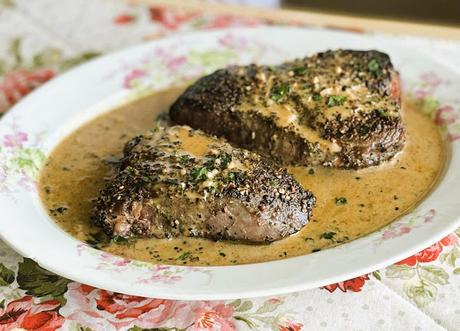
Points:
104	310
214	316
290	326
25	314
15	139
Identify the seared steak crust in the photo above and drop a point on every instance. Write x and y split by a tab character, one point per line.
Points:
166	187
337	108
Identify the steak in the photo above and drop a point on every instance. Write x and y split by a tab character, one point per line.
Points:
337	108
179	181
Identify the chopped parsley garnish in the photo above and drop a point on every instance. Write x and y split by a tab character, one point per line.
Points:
336	100
373	65
300	70
231	176
317	97
119	240
279	92
58	210
211	189
274	182
200	174
235	177
383	113
220	161
130	170
327	235
184	256
98	240
184	159
225	159
340	201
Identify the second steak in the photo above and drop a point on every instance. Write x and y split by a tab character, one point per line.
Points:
337	108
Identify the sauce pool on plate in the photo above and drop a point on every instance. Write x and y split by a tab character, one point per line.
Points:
350	203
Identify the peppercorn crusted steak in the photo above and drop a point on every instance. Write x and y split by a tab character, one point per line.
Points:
337	108
178	181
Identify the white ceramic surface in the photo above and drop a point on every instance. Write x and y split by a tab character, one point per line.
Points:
35	125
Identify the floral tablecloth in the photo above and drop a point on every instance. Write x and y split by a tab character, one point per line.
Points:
41	38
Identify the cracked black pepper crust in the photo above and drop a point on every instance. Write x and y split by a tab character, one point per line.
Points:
162	190
344	107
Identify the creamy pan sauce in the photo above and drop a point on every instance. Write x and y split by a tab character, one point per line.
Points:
350	203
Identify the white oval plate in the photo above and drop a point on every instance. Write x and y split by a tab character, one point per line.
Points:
30	131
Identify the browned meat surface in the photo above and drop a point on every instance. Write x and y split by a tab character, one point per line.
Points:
178	181
337	108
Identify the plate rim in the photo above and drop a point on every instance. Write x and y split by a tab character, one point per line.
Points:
221	295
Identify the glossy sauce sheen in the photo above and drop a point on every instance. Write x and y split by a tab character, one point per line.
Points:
350	203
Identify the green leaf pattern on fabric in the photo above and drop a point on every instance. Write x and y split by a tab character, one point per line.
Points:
422	293
6	275
39	282
421	280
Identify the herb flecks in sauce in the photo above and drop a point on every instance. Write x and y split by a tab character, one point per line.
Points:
123	240
340	201
327	235
58	210
280	92
299	71
317	97
404	182
184	256
374	67
336	100
97	239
